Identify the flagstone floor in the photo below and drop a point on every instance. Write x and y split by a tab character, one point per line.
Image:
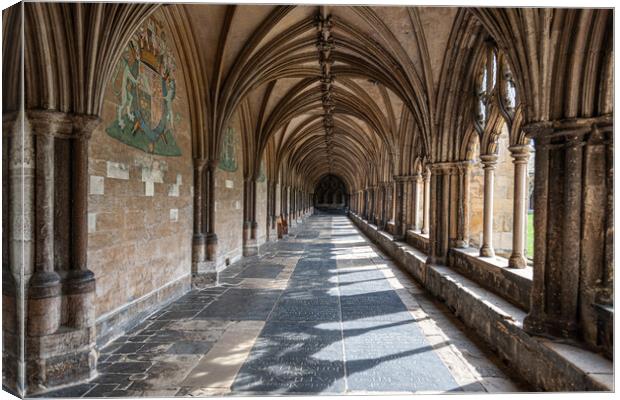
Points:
322	312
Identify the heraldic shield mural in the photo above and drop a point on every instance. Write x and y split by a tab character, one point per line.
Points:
145	85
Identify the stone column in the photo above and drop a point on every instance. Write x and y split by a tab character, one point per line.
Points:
389	203
400	217
415	193
60	310
211	238
427	202
365	205
461	180
520	155
371	205
250	247
18	233
199	249
571	286
272	228
80	284
44	313
438	213
489	162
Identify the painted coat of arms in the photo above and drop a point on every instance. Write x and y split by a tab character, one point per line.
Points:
145	117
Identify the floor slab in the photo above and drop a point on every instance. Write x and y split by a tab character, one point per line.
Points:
321	312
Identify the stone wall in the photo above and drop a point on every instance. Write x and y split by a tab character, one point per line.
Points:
139	206
261	211
229	200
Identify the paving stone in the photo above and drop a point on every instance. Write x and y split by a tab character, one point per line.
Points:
129	348
73	391
311	312
101	390
317	309
263	271
128	367
185	347
242	304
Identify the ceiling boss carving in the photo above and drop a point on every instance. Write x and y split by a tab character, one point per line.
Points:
325	45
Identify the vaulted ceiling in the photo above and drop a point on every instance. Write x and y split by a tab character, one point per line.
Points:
361	92
268	63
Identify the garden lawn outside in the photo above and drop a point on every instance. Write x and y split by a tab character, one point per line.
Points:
530	235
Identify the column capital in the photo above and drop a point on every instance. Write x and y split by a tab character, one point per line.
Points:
84	125
520	153
569	126
62	125
488	160
447	167
211	164
200	163
403	178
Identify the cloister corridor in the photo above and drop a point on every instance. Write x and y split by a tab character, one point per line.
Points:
323	311
208	199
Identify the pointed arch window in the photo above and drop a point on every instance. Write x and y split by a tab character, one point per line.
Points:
497	119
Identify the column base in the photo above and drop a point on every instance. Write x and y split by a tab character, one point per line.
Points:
79	298
461	244
486	251
250	248
199	248
51	364
44	304
205	275
211	240
517	261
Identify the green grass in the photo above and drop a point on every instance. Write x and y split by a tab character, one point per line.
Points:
530	235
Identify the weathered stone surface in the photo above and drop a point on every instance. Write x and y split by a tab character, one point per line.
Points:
498	323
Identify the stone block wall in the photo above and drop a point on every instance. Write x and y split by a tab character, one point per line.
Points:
229	200
140	211
261	212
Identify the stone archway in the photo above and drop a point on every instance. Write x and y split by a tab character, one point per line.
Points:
330	194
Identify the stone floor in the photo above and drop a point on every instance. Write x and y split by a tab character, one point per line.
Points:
323	311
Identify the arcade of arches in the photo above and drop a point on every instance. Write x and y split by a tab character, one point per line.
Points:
171	171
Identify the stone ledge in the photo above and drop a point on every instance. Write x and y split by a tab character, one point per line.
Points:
494	274
418	240
546	365
115	323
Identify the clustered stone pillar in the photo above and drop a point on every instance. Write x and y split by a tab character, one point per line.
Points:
365	200
426	218
371	207
80	285
61	291
250	244
461	182
271	220
489	161
18	176
520	155
400	219
449	181
283	210
573	217
44	304
211	238
415	204
199	249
